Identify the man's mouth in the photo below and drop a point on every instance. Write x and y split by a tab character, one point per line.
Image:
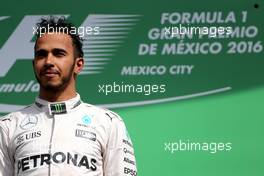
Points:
50	73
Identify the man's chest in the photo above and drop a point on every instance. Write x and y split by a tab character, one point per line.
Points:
74	139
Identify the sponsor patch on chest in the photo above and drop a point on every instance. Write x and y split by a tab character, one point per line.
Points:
85	134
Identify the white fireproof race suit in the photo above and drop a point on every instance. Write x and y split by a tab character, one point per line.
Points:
68	138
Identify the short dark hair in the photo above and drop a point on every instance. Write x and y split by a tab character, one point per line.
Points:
60	25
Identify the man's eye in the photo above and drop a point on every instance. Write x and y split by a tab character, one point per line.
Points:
59	54
41	53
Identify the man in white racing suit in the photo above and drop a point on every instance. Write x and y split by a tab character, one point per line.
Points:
59	134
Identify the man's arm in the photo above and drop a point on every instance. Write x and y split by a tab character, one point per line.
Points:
119	158
6	165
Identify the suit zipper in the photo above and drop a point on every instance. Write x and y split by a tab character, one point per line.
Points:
50	143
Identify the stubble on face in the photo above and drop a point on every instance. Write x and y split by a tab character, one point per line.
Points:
50	86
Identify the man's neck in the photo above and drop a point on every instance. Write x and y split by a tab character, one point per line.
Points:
53	96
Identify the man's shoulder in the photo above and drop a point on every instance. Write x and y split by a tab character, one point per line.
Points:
16	114
6	117
101	111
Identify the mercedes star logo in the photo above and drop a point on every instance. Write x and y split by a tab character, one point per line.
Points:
29	122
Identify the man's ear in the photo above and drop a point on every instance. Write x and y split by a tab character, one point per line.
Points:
79	63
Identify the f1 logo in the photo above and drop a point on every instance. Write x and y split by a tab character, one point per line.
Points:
19	44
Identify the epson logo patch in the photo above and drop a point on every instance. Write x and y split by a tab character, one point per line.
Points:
85	134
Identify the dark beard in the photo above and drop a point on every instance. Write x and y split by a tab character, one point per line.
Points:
56	88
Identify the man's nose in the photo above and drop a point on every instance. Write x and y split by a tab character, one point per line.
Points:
49	59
